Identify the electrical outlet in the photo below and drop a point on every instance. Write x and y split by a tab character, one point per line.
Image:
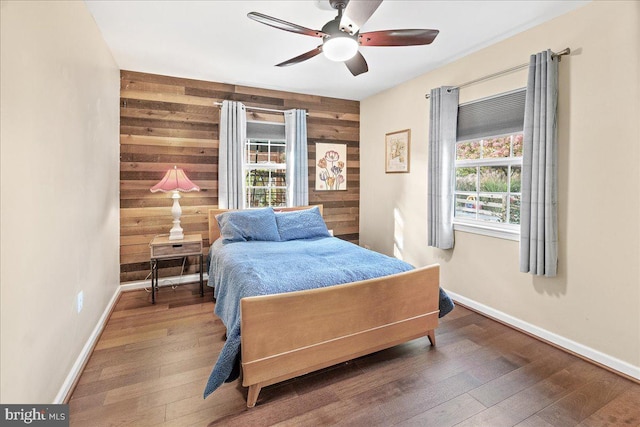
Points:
80	300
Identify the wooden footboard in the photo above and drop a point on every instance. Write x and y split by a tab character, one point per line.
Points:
287	335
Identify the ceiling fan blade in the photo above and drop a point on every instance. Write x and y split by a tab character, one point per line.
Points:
284	25
397	37
357	65
300	58
356	14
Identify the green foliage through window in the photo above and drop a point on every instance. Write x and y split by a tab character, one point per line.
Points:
265	173
488	179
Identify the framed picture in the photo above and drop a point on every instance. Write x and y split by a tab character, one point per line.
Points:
331	167
397	151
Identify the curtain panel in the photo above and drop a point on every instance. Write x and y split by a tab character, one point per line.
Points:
297	172
233	132
443	120
539	218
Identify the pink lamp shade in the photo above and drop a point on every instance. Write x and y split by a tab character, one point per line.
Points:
175	180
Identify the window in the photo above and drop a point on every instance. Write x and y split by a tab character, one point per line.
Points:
265	173
264	165
488	180
488	165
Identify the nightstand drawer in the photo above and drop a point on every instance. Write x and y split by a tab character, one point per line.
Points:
176	249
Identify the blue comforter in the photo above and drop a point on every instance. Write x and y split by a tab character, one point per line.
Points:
244	269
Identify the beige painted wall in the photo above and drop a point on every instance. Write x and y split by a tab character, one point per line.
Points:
59	192
595	300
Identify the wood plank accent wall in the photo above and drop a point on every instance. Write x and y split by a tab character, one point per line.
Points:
167	121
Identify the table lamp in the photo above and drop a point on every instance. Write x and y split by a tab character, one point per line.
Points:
175	180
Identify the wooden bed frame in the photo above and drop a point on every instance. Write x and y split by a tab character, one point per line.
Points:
287	335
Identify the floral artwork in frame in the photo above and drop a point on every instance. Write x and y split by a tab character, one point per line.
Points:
397	151
331	167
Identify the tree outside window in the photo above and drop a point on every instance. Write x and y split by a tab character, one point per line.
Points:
488	180
265	173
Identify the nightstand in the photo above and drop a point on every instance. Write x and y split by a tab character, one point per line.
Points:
163	248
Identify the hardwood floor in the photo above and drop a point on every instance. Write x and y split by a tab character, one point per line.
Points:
152	361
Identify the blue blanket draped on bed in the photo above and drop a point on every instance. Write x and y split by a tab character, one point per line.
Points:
255	268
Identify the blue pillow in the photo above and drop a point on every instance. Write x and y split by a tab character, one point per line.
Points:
245	225
302	224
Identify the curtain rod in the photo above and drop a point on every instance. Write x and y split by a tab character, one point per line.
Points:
271	110
563	52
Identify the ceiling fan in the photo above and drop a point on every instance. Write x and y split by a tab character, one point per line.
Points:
341	36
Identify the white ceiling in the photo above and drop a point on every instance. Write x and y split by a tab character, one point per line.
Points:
215	41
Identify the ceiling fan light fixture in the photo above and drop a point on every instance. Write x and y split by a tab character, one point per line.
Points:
341	37
340	49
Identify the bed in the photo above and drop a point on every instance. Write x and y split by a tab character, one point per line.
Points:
292	317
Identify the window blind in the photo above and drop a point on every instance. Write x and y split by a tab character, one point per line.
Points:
498	115
265	130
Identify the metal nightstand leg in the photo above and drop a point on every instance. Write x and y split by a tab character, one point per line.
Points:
201	277
154	279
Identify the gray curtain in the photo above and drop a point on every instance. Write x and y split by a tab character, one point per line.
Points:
295	127
233	132
443	120
539	218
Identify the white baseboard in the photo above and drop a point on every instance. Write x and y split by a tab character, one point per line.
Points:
166	281
84	355
596	356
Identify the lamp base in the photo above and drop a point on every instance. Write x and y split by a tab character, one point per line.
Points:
176	231
176	234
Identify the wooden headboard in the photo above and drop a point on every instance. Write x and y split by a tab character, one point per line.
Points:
214	231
